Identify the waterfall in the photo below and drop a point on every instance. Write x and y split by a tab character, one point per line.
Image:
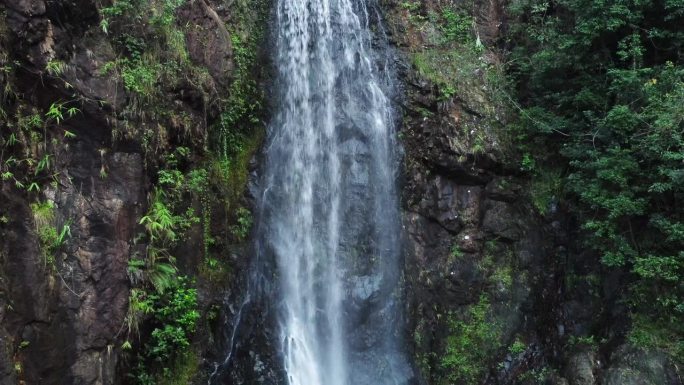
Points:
330	209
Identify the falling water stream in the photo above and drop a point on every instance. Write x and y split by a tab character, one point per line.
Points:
329	208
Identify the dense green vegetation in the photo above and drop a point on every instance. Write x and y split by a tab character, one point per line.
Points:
198	185
163	311
453	54
173	315
601	92
450	53
446	52
192	190
471	343
596	91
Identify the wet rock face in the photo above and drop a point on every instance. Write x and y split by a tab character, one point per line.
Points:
63	321
46	27
208	41
67	322
471	236
95	268
29	296
631	366
580	368
474	242
463	243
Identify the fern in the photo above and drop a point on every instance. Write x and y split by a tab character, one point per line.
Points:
159	222
162	275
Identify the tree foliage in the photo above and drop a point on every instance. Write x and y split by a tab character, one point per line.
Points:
601	86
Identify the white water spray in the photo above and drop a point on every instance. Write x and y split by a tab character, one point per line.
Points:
330	214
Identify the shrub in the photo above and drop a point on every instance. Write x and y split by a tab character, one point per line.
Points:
50	237
471	344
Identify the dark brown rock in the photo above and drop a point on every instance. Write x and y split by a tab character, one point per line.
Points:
64	322
208	41
500	220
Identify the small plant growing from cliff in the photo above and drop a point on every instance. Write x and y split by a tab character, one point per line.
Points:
118	8
537	375
159	222
583	341
161	226
517	347
413	12
173	315
648	333
55	67
502	277
412	6
197	181
456	26
58	111
471	344
456	251
166	301
43	164
51	238
244	223
545	188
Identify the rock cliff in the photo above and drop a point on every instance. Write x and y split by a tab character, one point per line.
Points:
108	111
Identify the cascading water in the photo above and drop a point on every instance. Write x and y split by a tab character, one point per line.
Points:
328	213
